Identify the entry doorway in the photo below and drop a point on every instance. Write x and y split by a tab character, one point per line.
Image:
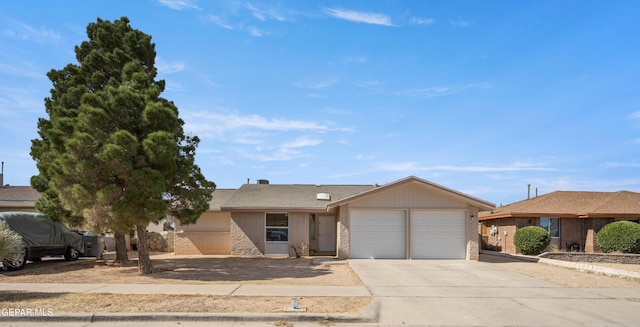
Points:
322	234
327	233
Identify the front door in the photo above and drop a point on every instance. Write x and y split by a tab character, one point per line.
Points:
327	233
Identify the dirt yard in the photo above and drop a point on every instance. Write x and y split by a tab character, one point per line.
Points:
194	269
565	276
172	269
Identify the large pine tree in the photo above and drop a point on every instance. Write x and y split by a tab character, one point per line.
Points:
113	153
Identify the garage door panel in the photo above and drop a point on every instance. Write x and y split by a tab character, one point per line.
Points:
378	234
438	235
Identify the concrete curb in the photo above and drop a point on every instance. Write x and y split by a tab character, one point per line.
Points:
580	266
194	317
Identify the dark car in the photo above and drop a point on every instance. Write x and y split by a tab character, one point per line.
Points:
41	237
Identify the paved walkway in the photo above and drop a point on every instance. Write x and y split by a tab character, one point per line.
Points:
204	289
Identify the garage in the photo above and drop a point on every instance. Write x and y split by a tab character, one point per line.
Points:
378	234
438	235
408	219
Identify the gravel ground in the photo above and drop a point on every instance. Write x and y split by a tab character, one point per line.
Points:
564	276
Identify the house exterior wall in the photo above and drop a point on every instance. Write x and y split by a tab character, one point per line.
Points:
408	197
582	231
298	233
473	248
343	221
209	235
247	233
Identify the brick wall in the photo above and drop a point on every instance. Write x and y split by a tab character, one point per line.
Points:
298	232
472	233
594	257
343	232
247	233
201	243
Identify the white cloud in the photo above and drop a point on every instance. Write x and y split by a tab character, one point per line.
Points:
367	84
361	156
317	84
21	70
286	151
421	21
412	166
254	31
459	22
27	32
179	4
220	22
622	164
359	17
635	115
265	14
301	142
358	60
169	67
206	123
432	92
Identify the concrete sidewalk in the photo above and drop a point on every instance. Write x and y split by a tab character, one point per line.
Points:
200	289
299	291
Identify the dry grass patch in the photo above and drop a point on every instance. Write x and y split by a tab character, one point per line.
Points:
173	269
75	303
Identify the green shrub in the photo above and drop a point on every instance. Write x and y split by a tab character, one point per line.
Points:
620	236
531	240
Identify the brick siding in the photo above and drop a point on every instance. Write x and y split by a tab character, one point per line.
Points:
201	243
247	233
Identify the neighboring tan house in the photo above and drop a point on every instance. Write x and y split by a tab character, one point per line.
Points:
571	217
18	198
407	219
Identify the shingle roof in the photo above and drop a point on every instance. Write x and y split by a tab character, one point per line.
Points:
288	196
18	196
572	204
218	197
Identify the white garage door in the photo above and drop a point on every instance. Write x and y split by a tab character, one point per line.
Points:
378	234
438	235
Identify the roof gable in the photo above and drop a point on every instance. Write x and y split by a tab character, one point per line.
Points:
430	186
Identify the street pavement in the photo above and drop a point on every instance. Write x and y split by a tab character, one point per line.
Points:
406	293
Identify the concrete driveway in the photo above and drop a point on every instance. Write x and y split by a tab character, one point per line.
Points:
470	293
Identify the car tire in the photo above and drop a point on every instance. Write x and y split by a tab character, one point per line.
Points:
71	254
16	264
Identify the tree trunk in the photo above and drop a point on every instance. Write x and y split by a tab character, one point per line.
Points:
121	249
144	262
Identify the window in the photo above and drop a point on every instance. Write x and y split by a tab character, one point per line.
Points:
277	227
312	227
552	225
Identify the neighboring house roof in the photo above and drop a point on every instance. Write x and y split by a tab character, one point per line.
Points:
482	204
18	197
218	197
572	204
290	197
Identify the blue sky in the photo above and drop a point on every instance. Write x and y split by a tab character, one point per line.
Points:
483	97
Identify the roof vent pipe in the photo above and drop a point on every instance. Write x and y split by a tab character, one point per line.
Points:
2	175
528	191
536	192
262	181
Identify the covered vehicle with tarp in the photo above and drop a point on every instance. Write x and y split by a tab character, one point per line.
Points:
41	237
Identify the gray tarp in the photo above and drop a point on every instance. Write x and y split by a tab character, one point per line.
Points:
37	229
